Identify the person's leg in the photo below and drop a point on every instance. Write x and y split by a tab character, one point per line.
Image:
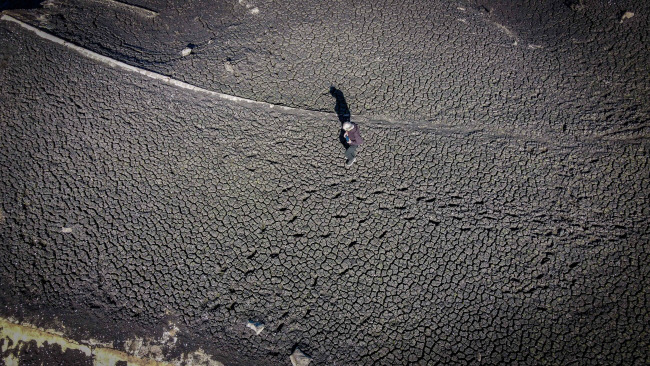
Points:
351	153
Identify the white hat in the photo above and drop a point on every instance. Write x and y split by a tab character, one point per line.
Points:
348	126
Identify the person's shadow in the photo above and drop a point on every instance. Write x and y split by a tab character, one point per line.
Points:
20	4
342	111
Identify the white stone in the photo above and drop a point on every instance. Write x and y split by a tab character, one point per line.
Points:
298	358
186	51
255	326
627	15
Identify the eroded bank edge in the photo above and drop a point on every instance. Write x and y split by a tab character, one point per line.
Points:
15	336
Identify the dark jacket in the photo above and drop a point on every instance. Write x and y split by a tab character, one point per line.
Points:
355	135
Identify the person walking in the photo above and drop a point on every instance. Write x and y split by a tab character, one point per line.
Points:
353	139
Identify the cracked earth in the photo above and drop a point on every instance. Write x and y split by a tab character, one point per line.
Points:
497	212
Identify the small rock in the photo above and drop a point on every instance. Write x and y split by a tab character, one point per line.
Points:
189	49
298	358
627	15
66	230
229	67
255	326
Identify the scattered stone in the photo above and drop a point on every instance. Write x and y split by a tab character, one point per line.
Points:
626	15
257	327
250	6
188	50
66	230
298	358
229	67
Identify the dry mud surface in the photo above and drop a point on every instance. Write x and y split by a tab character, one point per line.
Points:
498	212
